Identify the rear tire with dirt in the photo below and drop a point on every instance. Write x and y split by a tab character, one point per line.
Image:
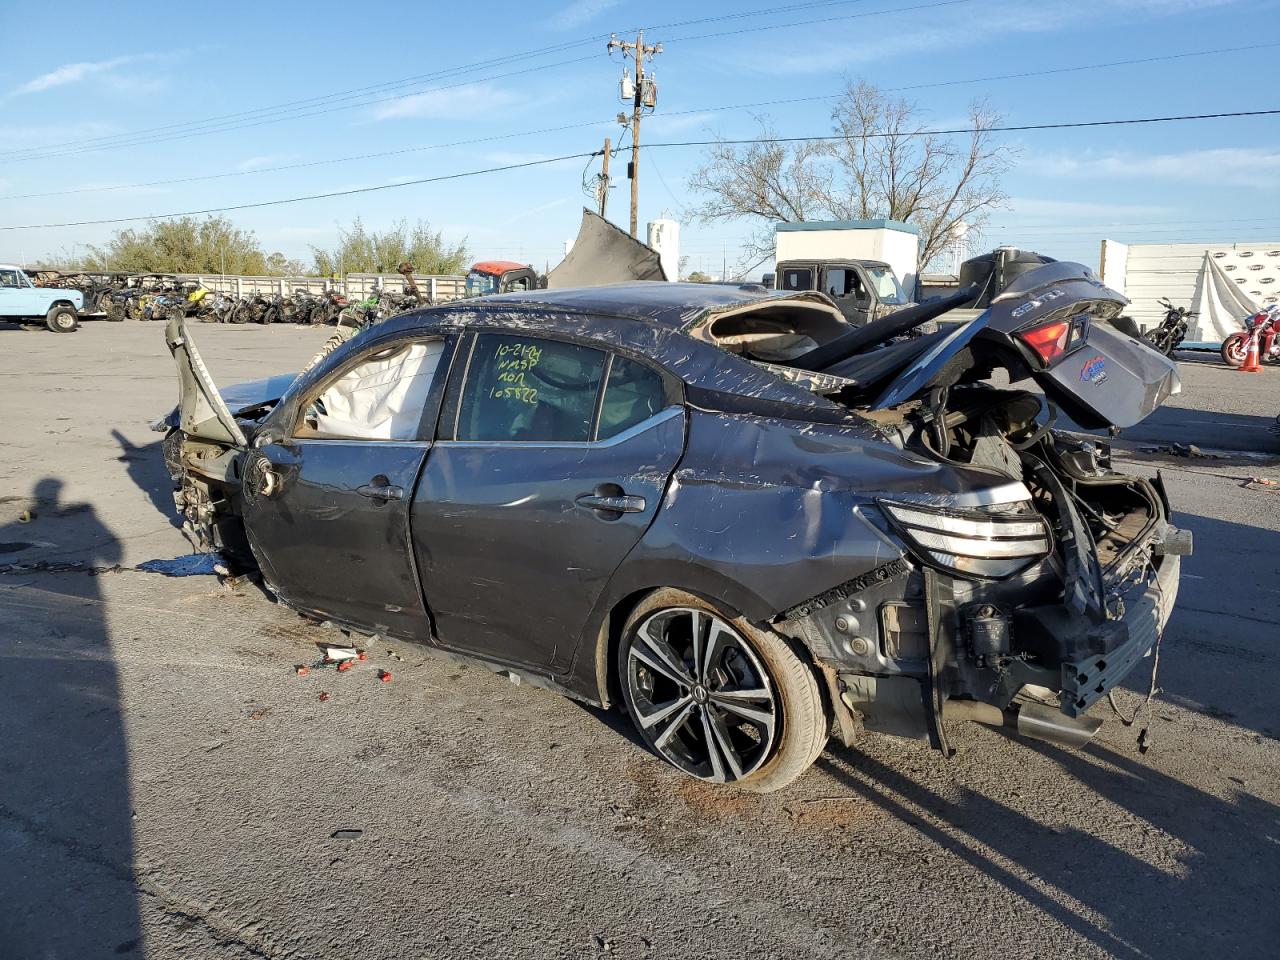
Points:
717	697
62	319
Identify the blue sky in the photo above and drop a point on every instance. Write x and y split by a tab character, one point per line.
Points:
171	65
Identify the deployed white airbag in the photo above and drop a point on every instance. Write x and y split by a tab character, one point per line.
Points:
383	398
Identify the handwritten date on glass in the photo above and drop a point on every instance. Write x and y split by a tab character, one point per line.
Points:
513	360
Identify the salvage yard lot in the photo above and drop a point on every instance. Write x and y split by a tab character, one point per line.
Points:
170	787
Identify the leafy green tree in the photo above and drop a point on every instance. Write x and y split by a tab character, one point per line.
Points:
278	265
698	277
361	250
185	245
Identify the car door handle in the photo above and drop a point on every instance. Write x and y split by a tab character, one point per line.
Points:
612	504
381	490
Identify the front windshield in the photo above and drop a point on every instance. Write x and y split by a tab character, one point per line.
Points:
481	284
886	286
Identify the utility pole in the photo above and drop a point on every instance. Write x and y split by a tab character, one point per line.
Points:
603	180
643	94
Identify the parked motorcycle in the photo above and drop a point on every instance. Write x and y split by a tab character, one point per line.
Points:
1266	325
1173	329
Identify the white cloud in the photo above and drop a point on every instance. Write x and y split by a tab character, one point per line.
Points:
70	73
533	211
472	100
22	137
1019	207
579	12
849	41
1257	167
668	125
254	163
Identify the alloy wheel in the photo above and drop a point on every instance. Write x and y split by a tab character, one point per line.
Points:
700	694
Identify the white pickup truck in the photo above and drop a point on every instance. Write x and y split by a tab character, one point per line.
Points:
23	302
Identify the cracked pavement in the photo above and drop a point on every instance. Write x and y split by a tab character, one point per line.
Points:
170	787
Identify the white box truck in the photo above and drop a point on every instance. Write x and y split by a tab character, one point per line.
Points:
870	268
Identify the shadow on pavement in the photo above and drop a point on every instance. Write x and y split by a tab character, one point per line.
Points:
145	465
1127	906
1209	429
66	828
1219	655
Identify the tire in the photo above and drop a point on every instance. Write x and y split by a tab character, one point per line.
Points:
751	716
62	319
1234	349
1161	341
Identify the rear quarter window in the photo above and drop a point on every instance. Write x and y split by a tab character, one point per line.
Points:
633	394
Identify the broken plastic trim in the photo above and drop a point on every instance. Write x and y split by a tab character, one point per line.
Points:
889	571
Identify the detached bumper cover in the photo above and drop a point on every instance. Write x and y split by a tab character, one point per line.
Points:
1146	611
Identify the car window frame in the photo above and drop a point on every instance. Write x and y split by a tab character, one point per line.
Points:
451	409
427	423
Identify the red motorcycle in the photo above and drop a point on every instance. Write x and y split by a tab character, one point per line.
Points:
1266	326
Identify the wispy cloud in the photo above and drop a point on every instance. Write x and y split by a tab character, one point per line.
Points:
255	163
949	28
533	211
1257	167
70	73
1022	207
35	135
476	99
667	125
580	12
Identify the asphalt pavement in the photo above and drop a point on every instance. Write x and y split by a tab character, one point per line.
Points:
169	787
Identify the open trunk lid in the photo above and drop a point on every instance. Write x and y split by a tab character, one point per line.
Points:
1100	376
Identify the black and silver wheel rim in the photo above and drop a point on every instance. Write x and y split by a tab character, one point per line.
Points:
700	694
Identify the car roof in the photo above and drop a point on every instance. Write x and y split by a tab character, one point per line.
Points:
649	318
673	305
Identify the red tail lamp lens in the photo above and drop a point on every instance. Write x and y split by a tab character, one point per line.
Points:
1049	341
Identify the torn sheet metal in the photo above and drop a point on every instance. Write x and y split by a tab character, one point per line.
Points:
604	254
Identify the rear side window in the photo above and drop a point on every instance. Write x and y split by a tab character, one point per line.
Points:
530	390
633	394
797	279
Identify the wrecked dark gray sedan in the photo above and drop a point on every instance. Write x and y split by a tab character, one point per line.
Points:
747	522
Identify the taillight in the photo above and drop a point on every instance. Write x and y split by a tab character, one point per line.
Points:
1049	341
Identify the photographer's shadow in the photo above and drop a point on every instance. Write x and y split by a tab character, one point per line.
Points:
66	826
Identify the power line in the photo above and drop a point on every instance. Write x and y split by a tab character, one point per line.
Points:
296	116
227	122
680	143
594	123
1019	128
985	79
298	104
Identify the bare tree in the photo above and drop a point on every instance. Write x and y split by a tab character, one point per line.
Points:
881	163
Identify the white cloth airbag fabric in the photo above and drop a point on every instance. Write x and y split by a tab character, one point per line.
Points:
382	399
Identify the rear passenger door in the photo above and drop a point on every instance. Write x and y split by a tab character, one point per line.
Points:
552	462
